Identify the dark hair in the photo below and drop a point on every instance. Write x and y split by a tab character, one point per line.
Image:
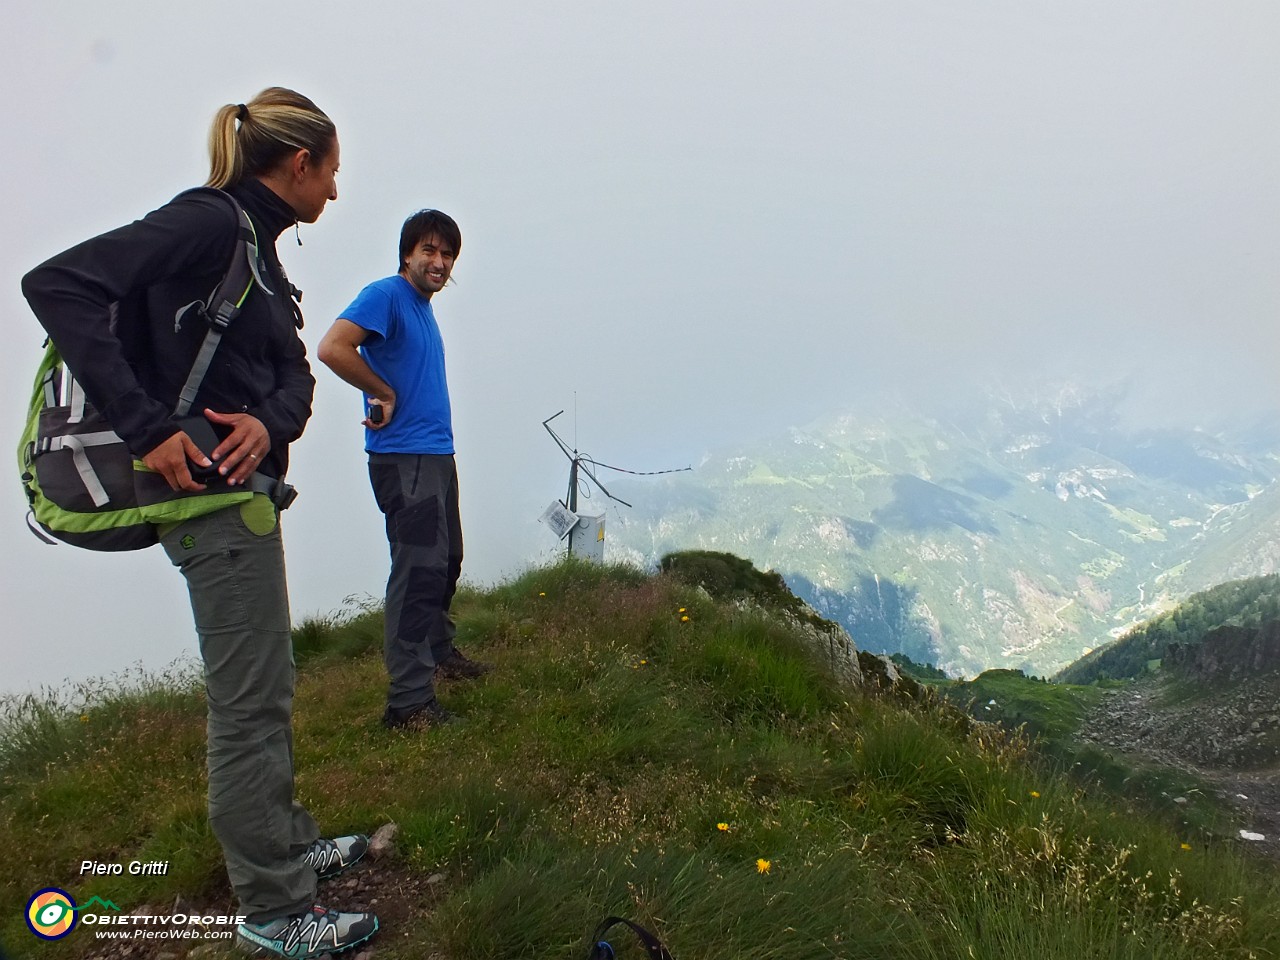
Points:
251	138
428	223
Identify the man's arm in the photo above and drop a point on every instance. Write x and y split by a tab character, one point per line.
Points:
339	350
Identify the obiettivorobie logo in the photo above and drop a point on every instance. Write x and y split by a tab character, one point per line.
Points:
51	913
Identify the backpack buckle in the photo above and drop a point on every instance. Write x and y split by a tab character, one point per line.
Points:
222	317
283	495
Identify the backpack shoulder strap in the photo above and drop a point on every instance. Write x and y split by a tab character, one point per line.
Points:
227	298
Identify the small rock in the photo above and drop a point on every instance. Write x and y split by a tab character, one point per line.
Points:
437	878
1250	835
383	842
1179	799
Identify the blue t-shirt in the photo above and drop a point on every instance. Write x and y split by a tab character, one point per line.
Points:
405	349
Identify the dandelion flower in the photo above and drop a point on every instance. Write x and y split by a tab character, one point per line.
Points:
763	865
1186	846
542	593
722	827
681	610
643	662
1036	794
684	619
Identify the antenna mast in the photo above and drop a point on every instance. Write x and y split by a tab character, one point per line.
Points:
567	521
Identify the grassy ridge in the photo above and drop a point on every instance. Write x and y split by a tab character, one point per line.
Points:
647	751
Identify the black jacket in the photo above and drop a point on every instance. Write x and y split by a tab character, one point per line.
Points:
153	267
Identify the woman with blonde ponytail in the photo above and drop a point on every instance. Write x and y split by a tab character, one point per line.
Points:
251	139
126	311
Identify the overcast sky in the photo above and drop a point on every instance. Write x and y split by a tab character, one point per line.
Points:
695	222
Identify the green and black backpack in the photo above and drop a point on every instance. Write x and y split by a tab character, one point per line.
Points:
82	483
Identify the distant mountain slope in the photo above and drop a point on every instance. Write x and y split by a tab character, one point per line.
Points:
1243	541
1022	535
1246	605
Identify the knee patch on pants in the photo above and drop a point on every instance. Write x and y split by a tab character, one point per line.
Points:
423	596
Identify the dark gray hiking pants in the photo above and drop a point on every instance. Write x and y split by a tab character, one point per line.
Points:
236	580
418	494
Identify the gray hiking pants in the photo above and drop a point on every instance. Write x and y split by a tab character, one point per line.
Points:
418	494
236	580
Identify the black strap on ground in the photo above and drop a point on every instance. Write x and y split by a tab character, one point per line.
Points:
601	949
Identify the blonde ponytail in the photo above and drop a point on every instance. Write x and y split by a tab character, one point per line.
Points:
224	158
250	139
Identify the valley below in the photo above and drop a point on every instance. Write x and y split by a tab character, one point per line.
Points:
1005	534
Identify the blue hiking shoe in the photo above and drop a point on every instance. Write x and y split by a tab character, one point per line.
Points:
311	934
328	858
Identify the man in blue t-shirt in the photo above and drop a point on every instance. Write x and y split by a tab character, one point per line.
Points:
387	343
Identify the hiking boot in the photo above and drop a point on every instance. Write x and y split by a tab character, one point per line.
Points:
330	857
458	666
313	933
419	718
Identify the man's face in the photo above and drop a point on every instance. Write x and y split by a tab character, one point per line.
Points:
429	264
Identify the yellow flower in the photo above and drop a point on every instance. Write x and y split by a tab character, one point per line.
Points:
763	865
642	662
1186	846
541	594
1035	793
84	718
684	619
722	827
681	610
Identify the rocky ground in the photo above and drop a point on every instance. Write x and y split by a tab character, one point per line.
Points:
1228	736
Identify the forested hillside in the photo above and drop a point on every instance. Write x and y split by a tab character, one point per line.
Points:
1242	603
